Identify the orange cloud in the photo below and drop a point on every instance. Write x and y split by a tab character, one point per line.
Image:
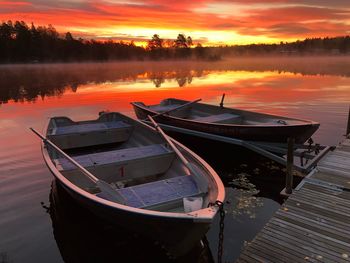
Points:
5	4
213	21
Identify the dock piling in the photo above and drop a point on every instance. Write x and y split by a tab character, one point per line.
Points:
289	170
348	127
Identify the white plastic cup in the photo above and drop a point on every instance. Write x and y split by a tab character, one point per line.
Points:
192	204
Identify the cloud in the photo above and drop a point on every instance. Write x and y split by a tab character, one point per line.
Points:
216	20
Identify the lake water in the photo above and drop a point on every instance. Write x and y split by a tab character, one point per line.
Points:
40	223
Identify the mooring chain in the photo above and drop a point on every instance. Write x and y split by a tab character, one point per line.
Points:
222	225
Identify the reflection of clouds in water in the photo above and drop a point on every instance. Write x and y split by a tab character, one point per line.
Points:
339	87
243	200
5	124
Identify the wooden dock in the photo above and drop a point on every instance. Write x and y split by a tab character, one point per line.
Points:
314	223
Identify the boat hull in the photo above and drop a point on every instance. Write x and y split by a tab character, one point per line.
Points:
301	133
176	235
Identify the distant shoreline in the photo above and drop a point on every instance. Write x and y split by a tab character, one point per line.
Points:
230	59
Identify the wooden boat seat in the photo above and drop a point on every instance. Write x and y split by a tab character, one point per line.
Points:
89	127
162	108
119	165
220	118
159	195
89	134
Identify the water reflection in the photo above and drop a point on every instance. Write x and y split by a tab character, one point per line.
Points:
182	77
29	83
83	237
297	78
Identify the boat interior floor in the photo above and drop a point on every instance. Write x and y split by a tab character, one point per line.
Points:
141	175
159	195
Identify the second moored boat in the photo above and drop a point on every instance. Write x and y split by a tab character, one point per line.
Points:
228	122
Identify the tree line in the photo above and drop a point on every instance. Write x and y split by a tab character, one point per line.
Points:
20	42
310	46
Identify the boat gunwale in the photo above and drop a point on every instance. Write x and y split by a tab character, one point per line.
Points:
204	215
306	122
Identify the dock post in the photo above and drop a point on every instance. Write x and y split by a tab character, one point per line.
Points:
290	163
348	127
222	100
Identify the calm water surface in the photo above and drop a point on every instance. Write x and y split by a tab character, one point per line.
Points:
40	223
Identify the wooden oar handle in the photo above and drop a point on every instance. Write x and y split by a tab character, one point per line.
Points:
81	168
104	187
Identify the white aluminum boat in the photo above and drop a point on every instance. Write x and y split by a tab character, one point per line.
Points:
157	195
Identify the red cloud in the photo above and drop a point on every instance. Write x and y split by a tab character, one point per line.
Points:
290	20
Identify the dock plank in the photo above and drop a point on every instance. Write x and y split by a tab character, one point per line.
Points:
315	213
286	245
339	193
337	164
284	256
313	225
327	205
310	232
307	243
336	159
336	249
339	179
324	197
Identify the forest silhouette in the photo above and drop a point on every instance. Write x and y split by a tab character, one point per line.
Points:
20	43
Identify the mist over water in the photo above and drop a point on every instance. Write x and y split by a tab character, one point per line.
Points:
311	88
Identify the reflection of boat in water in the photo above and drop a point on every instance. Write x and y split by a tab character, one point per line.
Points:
148	184
233	123
84	237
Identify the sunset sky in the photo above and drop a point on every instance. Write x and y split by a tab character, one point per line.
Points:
212	22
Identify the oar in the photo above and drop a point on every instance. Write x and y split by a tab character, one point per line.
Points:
176	108
104	187
202	185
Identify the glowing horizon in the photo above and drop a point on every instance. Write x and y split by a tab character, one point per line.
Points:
212	22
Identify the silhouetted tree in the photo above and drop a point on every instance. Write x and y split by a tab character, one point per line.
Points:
69	37
189	41
180	41
155	47
155	43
